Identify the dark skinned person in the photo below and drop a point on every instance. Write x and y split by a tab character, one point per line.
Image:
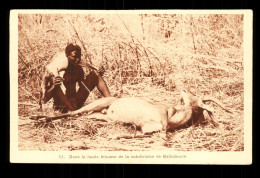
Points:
66	83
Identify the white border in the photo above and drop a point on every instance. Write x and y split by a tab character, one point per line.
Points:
201	157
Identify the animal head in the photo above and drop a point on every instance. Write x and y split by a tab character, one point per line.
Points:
191	100
193	111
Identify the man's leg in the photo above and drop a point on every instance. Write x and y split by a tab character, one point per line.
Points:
93	80
61	102
102	86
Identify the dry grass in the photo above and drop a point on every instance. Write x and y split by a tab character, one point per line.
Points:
203	53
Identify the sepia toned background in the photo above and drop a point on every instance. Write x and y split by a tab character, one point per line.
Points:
151	56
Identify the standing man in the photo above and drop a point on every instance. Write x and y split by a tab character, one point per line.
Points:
70	97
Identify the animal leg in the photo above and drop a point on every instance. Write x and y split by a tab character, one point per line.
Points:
135	130
151	126
97	105
98	116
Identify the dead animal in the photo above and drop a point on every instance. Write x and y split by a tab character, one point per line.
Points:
148	116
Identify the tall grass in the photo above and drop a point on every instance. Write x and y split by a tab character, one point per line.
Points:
152	56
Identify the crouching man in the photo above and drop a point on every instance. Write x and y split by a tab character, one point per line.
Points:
65	82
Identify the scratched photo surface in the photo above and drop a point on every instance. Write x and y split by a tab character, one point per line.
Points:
157	82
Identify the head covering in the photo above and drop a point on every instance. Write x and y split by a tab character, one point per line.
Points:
71	47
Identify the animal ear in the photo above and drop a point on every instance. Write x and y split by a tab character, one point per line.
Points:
209	117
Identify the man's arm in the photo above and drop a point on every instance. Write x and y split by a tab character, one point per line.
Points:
51	77
48	85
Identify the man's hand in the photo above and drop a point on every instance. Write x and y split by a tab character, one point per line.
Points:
101	71
57	81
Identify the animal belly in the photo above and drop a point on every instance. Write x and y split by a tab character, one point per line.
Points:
136	111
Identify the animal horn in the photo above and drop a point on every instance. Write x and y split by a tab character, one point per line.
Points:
204	106
215	100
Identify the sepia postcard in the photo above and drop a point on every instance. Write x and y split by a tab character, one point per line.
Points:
131	86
